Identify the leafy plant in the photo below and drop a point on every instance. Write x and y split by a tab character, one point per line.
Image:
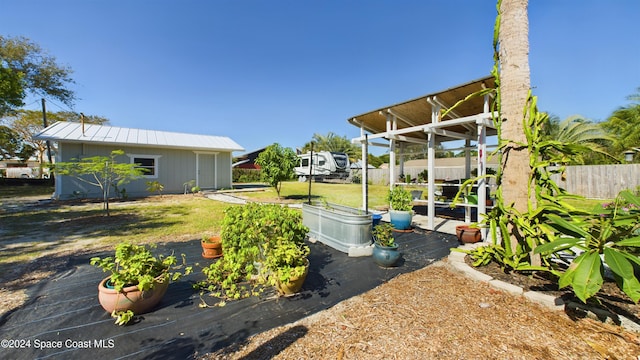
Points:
423	176
261	242
137	265
276	165
383	235
210	239
285	261
400	199
612	230
191	186
122	316
155	187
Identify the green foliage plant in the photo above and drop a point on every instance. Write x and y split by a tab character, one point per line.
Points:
285	260
276	165
400	199
515	233
525	241
155	187
261	243
608	234
383	235
423	176
137	265
103	172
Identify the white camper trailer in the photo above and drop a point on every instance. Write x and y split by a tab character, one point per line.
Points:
326	165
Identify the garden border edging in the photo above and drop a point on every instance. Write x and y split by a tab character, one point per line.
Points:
456	261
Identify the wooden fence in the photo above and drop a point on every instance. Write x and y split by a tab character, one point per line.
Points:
590	181
599	181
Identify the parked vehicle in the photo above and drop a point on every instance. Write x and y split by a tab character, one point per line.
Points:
326	165
20	172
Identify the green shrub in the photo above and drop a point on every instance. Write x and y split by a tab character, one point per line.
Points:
400	199
260	242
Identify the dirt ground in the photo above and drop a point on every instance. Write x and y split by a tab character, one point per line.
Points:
436	313
433	313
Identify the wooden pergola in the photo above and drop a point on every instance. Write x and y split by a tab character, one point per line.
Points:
457	113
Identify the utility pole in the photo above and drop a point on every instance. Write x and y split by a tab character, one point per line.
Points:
44	121
310	172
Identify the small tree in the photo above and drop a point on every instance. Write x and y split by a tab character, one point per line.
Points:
101	171
276	165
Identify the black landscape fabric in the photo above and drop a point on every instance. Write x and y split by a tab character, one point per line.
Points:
63	319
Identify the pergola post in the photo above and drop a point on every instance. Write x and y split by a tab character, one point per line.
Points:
467	175
431	172
401	161
365	173
482	181
431	199
482	167
392	151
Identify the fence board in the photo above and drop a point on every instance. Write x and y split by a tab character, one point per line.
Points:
590	181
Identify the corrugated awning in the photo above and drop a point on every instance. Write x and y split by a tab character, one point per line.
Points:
417	112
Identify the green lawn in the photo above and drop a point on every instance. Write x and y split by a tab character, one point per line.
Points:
342	194
351	194
56	226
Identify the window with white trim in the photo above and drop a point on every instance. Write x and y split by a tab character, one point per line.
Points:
148	163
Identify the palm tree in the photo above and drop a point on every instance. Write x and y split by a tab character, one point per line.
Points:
335	143
624	126
514	80
588	138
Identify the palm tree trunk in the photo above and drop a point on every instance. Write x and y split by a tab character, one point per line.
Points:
515	83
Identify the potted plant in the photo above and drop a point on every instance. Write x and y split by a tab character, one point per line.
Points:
137	282
385	251
468	234
211	246
287	266
400	201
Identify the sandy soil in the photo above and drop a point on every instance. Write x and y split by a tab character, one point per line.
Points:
436	313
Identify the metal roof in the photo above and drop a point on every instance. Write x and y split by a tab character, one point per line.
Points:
416	112
63	131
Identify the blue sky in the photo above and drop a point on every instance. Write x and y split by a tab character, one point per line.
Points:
279	71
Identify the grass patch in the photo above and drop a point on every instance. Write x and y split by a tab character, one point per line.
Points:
342	194
26	234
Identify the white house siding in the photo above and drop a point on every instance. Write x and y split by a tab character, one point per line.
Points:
175	168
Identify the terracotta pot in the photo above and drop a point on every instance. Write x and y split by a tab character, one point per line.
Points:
213	248
130	298
467	234
294	285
